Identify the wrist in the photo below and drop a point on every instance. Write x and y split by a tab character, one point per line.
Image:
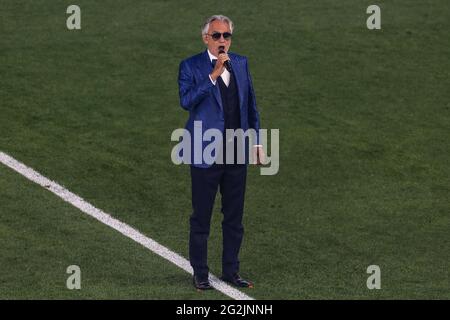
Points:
213	76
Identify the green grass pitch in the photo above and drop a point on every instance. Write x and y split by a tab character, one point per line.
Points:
364	119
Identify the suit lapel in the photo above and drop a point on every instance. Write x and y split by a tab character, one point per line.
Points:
238	74
206	68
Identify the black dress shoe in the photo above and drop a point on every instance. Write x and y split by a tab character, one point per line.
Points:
237	281
201	284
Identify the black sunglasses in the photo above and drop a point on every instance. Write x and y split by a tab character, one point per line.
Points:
216	35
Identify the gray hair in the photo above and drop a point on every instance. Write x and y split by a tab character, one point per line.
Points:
205	26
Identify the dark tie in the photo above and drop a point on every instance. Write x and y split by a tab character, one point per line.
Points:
213	62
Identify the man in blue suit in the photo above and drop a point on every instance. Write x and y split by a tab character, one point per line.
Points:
218	96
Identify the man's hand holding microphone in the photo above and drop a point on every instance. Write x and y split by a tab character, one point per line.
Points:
220	64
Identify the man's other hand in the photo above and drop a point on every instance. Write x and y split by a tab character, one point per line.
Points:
259	157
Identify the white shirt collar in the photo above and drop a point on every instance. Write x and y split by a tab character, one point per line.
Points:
211	56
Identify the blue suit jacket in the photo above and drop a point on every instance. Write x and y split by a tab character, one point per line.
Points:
203	100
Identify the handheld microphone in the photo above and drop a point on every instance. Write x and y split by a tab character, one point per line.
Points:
228	62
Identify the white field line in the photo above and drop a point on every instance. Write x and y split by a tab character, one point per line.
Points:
123	228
